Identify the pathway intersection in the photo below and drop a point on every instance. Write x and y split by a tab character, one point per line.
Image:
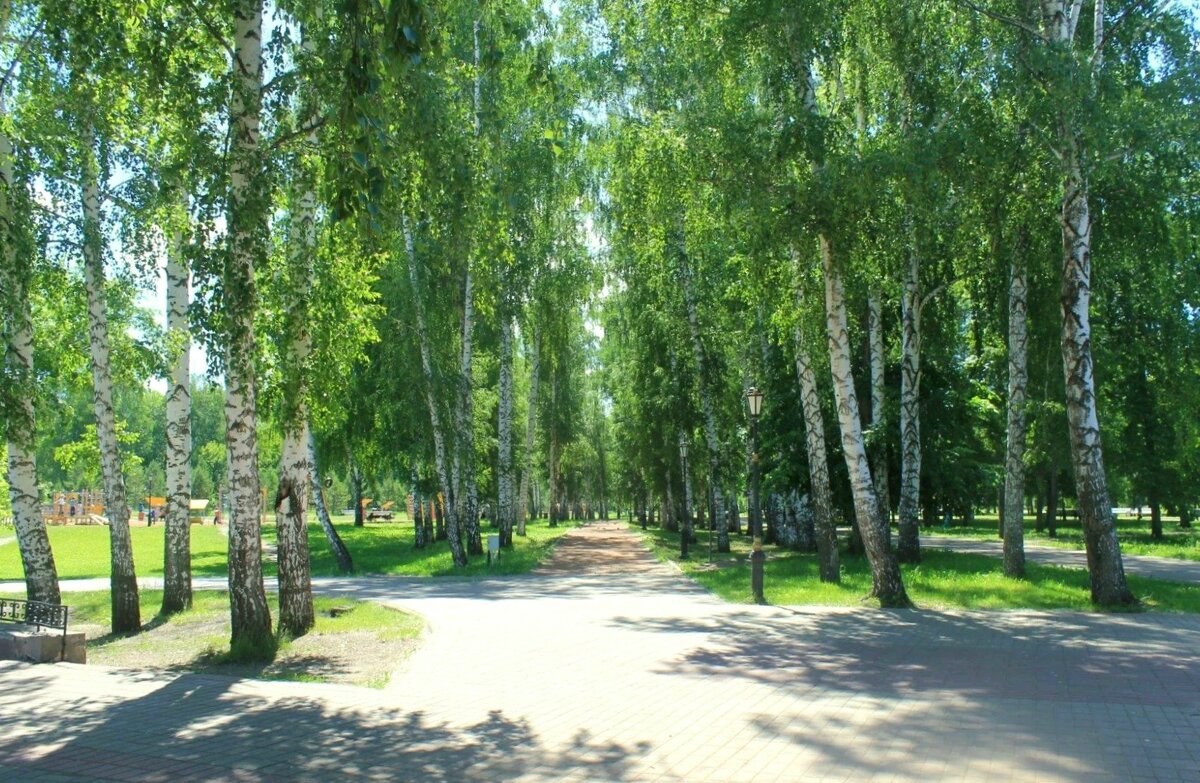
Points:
609	666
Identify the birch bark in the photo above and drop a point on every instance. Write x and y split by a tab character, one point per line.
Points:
1018	378
250	615
177	557
37	560
909	541
1107	573
887	584
464	425
818	467
685	537
710	420
505	479
530	421
126	612
878	451
296	614
345	563
435	419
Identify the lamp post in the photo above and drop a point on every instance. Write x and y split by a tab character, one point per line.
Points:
754	398
686	534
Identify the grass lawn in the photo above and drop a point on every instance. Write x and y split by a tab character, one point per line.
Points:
354	642
1134	535
387	548
377	548
83	551
943	580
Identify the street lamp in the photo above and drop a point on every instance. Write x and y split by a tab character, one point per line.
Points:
754	398
685	538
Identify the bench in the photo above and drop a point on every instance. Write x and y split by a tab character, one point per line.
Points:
39	615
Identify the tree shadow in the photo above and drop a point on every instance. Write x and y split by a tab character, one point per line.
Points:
204	728
921	695
1081	657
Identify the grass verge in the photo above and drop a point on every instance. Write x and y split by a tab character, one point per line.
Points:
943	580
377	548
82	552
1177	543
387	548
353	642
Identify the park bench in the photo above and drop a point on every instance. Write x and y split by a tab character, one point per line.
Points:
384	512
40	615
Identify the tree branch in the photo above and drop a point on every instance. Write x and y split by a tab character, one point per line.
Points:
12	67
929	296
278	80
212	30
1073	18
1011	21
303	130
1098	46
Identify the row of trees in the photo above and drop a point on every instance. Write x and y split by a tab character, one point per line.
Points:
792	186
490	248
389	194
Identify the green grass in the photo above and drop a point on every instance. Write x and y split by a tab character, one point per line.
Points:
377	548
1177	543
387	548
83	552
356	642
943	580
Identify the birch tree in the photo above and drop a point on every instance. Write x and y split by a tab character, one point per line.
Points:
887	584
535	350
1018	378
1072	64
247	228
126	611
815	449
16	403
177	556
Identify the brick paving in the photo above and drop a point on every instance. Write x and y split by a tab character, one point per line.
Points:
612	667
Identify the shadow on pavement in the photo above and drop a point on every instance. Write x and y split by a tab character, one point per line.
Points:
1048	657
201	728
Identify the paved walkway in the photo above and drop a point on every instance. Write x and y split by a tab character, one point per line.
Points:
1167	568
612	667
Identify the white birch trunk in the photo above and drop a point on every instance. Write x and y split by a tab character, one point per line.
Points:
435	420
530	424
818	467
250	615
505	506
878	452
41	577
909	540
126	612
1106	571
711	442
464	424
888	586
685	531
177	560
340	553
296	614
1018	378
555	509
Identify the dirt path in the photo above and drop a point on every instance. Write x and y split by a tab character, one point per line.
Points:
600	548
